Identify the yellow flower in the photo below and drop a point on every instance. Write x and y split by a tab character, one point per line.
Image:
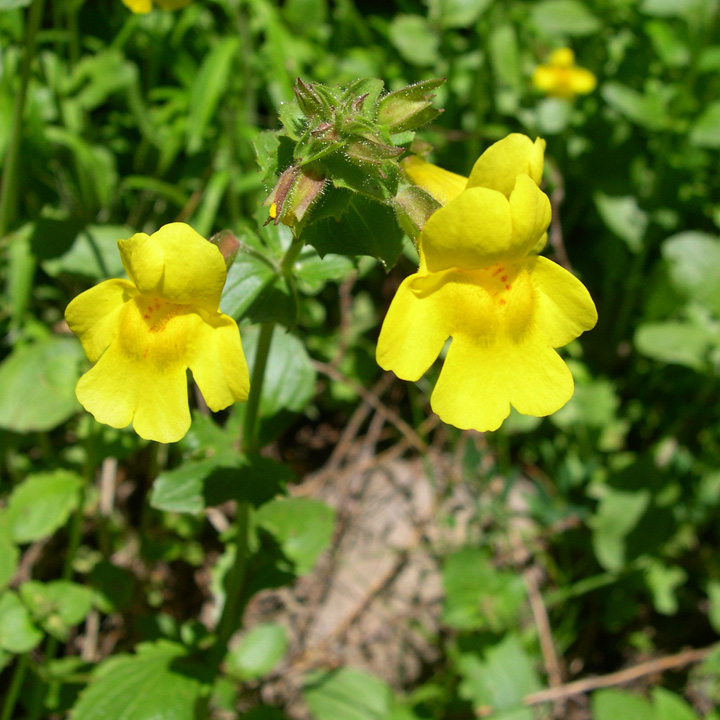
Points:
562	78
504	308
145	6
144	333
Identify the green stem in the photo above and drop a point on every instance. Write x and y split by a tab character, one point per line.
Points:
7	194
250	430
15	685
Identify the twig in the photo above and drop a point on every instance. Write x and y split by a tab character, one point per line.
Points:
556	200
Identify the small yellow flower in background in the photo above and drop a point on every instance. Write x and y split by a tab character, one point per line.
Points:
562	78
144	333
145	6
478	283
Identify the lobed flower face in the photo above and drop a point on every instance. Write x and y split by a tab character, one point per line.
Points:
479	284
144	333
562	78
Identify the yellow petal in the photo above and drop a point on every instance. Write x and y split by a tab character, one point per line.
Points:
120	389
414	330
177	264
544	78
472	231
218	363
582	81
530	213
442	184
138	6
564	57
503	161
479	382
94	314
564	307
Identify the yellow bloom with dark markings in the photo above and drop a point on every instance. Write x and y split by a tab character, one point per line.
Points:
478	283
562	78
145	332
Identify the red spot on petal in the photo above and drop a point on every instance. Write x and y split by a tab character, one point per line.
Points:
507	287
147	317
498	271
504	278
503	301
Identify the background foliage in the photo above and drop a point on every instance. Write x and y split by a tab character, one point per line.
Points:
112	551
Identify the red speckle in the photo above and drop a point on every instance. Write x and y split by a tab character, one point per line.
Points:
145	353
507	287
503	301
504	278
147	317
498	271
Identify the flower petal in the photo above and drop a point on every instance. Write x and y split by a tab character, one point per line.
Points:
503	161
472	231
530	212
177	264
442	184
94	314
121	388
582	81
218	363
413	332
479	382
564	307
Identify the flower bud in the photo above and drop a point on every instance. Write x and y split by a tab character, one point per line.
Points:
227	244
409	107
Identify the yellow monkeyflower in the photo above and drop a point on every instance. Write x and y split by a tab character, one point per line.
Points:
562	78
145	6
144	333
504	308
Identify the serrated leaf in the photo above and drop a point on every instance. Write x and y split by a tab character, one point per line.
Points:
57	606
18	633
42	504
37	384
210	83
258	652
194	486
347	694
159	682
669	706
301	526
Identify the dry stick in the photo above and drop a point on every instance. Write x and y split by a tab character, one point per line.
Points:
556	200
579	687
390	415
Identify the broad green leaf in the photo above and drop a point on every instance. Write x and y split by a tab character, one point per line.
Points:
677	343
211	81
713	593
42	504
18	633
672	8
663	581
159	682
22	261
501	678
9	554
314	272
693	260
94	253
624	217
57	606
615	704
564	17
258	652
705	132
618	513
458	13
194	486
414	39
478	596
347	694
594	404
667	43
12	4
365	227
95	77
646	110
669	706
247	278
303	528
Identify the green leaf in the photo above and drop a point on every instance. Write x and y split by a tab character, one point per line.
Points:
9	553
667	43
669	706
705	131
501	679
663	581
693	260
194	486
713	593
624	217
677	343
42	504
112	587
210	83
646	110
614	704
477	596
95	77
37	384
57	606
415	40
93	254
347	694
159	682
302	527
12	4
258	652
458	13
248	277
314	271
365	227
617	515
18	634
564	17
594	404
